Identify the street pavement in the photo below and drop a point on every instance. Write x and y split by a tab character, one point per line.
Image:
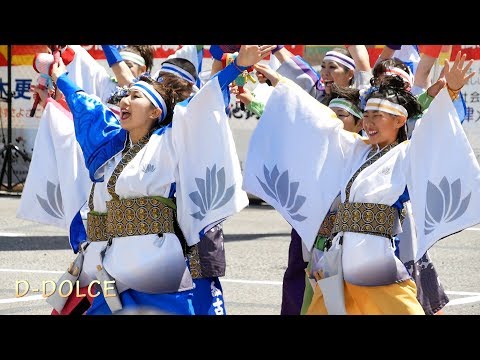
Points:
256	244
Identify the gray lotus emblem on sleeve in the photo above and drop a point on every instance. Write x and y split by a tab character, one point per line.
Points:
443	203
148	168
279	187
53	205
211	192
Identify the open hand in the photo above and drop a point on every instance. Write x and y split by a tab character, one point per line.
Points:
252	54
456	76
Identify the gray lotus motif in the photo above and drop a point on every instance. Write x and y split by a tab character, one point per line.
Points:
53	205
211	192
149	168
443	203
279	187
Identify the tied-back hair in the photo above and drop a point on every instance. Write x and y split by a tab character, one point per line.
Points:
182	88
345	52
183	64
147	52
172	89
393	89
348	93
382	66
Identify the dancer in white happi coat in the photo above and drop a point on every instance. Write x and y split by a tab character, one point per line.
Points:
359	272
146	257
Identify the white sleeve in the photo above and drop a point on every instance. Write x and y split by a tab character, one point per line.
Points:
296	157
89	75
443	175
209	183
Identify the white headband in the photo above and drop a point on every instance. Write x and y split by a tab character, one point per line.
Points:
385	105
340	58
345	105
399	72
137	59
152	95
174	69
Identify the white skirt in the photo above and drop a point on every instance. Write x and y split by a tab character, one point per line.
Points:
370	260
149	263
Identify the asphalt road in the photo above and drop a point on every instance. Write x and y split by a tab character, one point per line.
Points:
256	243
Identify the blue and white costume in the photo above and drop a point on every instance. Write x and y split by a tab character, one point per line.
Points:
207	188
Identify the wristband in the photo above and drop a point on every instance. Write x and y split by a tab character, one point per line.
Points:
112	54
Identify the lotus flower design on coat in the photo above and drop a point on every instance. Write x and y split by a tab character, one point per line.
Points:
148	168
443	203
53	205
279	187
211	192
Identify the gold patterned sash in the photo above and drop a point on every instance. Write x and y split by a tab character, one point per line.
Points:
327	224
140	216
374	219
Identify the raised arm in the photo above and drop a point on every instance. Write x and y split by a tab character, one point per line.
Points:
247	56
97	130
121	70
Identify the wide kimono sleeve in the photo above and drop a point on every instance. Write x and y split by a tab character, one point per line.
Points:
296	157
89	74
209	180
97	130
57	185
302	74
443	175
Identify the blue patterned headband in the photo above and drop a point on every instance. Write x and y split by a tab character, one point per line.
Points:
152	95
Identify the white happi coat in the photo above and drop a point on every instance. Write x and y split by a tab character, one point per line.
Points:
198	154
437	166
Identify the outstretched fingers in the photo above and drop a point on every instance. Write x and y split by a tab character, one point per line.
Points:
472	74
251	54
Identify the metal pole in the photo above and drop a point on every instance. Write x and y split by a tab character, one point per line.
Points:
8	155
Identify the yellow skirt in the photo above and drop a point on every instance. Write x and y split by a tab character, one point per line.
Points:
394	299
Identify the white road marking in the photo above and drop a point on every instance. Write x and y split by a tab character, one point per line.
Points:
22	299
33	271
7	234
463	293
260	282
473	229
465	300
